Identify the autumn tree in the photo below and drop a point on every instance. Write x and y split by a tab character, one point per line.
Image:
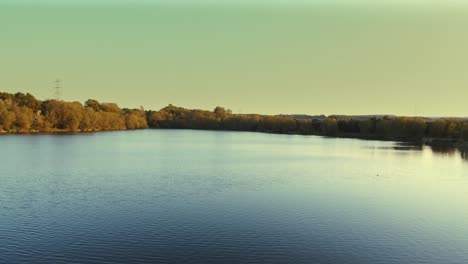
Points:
135	119
7	117
93	104
24	118
221	113
330	126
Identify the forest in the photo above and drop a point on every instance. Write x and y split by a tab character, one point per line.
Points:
23	113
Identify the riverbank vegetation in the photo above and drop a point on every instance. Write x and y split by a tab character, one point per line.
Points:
386	128
24	113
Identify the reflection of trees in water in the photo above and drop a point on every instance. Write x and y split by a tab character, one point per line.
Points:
444	149
407	146
438	149
464	154
404	146
449	151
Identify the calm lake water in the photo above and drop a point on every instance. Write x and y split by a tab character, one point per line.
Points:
182	196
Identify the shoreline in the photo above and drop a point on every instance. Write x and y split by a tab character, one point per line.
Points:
62	132
432	142
23	114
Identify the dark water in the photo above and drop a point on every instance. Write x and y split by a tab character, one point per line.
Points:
224	197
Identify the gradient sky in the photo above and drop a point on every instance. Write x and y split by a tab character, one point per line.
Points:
344	57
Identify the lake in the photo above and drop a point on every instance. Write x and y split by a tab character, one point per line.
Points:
184	196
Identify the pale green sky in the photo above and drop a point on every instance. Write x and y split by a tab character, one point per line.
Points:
287	57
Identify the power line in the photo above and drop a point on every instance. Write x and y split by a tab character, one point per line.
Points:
58	89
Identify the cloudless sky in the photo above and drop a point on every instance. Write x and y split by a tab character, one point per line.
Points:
305	57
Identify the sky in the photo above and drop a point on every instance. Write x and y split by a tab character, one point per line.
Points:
269	57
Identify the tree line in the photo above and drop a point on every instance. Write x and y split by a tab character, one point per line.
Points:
387	128
24	113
